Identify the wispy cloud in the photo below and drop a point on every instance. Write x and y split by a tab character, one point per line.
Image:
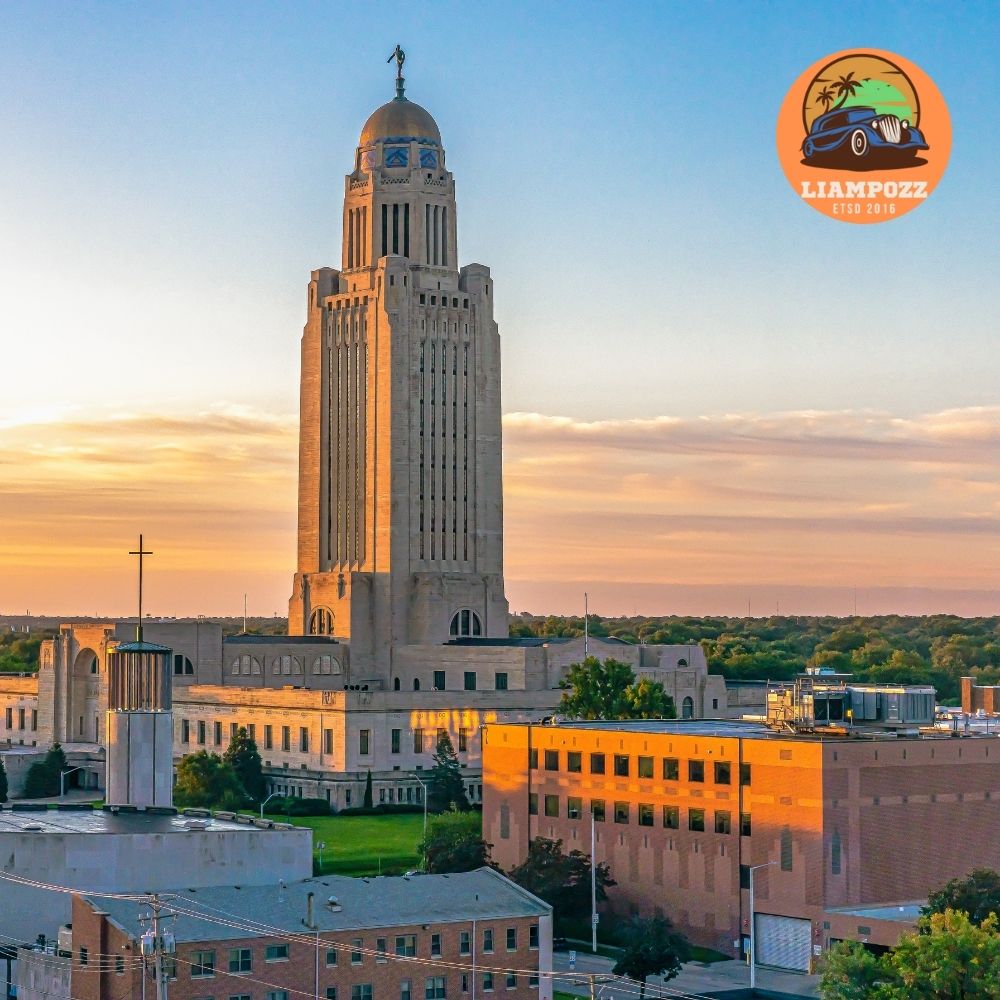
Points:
815	499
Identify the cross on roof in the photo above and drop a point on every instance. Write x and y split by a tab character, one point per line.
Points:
140	552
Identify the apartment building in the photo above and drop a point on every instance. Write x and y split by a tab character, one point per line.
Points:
423	937
832	823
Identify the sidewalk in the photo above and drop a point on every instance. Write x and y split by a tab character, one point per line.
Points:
730	977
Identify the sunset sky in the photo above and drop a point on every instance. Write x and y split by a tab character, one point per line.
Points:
713	394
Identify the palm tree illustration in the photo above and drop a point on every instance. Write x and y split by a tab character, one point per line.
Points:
846	87
825	97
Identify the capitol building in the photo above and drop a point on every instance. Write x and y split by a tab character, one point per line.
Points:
397	619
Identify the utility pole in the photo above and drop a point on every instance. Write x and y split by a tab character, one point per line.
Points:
586	625
156	942
593	885
753	929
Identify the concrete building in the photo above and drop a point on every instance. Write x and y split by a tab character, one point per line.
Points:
442	937
980	699
843	820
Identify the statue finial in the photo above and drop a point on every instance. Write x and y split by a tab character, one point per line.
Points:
400	56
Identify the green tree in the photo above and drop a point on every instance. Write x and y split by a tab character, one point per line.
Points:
368	800
562	880
852	972
654	948
608	690
42	780
977	895
243	755
454	843
3	782
445	787
206	781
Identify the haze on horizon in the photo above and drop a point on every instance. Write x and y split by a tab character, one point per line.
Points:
713	395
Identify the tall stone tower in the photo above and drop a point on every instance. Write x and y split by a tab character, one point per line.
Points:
400	533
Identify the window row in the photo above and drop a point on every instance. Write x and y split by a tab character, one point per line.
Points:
26	718
621	763
470	681
246	665
645	813
435	987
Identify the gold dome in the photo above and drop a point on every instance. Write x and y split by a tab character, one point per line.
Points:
399	118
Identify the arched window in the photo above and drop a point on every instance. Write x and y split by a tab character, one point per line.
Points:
182	665
416	683
465	623
325	665
395	684
682	662
93	665
687	708
321	622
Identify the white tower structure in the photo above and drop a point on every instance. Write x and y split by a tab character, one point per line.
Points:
140	720
400	536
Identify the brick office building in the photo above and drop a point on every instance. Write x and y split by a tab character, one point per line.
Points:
423	937
683	809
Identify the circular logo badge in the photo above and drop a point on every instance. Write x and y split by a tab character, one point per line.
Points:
864	136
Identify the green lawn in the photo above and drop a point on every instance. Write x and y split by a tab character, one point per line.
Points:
364	845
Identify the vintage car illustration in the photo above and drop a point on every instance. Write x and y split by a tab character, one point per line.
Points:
858	133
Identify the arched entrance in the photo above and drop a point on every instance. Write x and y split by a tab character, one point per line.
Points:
84	723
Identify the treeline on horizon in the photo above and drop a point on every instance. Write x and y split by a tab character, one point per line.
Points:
886	649
891	649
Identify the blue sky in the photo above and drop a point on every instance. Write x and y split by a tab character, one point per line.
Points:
173	171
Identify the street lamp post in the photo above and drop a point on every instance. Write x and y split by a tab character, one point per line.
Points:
753	934
62	779
424	787
265	802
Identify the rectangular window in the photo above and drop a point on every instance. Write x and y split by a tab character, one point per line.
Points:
331	993
574	761
621	812
745	824
357	957
470	680
696	820
240	960
488	940
574	806
597	810
435	946
465	982
645	814
331	958
532	803
361	991
268	737
85	956
217	732
276	953
533	758
671	769
551	760
672	817
327	741
233	730
201	733
185	730
464	943
645	767
621	765
552	806
696	770
418	741
395	737
120	966
744	876
723	821
286	738
277	995
597	763
744	774
487	982
439	680
406	944
169	966
512	980
252	732
381	949
9	716
202	964
512	939
34	720
463	741
303	740
533	980
533	937
722	769
500	681
364	741
405	990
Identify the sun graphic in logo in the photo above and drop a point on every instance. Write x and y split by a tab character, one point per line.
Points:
864	136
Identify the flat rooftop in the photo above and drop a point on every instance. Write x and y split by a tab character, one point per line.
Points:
81	821
385	901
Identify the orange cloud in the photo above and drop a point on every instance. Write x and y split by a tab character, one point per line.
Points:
733	503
